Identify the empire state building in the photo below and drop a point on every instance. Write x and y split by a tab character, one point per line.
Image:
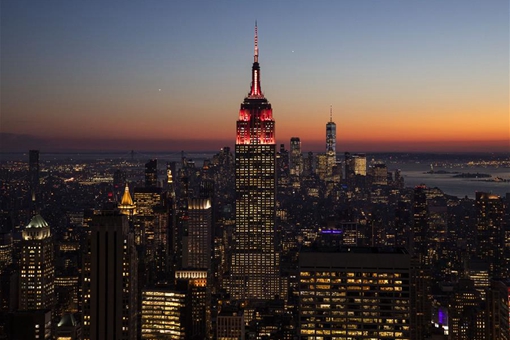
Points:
255	260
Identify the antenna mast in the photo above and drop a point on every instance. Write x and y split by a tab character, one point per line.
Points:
256	56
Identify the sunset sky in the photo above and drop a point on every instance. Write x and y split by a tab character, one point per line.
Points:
170	75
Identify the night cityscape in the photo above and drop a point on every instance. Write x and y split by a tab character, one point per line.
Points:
217	226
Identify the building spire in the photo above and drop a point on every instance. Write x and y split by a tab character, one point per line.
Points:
331	113
256	54
255	91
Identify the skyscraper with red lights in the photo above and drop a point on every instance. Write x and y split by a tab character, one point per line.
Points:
255	260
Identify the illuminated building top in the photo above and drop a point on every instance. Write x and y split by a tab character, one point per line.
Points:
37	229
127	206
255	124
38	222
255	91
126	198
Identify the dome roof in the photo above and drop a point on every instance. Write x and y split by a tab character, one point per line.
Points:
38	222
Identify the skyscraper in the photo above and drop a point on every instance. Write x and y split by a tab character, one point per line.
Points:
331	135
110	305
255	261
355	164
151	173
37	271
33	170
490	232
296	158
197	241
163	313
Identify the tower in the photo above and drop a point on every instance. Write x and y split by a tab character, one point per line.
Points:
255	261
331	139
37	271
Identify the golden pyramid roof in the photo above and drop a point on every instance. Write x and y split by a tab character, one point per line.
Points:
126	198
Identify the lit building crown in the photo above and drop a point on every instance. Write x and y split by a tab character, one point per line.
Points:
37	229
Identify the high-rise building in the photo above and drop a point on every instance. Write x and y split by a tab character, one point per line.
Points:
151	173
379	174
466	316
198	302
490	233
420	224
33	171
37	270
126	205
110	294
354	293
355	164
331	137
197	242
230	325
145	220
498	327
330	145
163	313
296	158
255	260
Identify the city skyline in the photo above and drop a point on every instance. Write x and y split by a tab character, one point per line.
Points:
400	77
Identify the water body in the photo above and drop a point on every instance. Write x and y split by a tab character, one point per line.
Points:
416	174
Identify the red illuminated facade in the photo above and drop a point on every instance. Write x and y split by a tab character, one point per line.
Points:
255	124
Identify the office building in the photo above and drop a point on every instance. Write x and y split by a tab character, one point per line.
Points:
331	137
490	233
145	222
466	316
330	145
163	313
354	293
296	158
196	285
255	260
110	294
355	164
420	229
498	316
37	269
197	242
151	173
230	325
379	174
